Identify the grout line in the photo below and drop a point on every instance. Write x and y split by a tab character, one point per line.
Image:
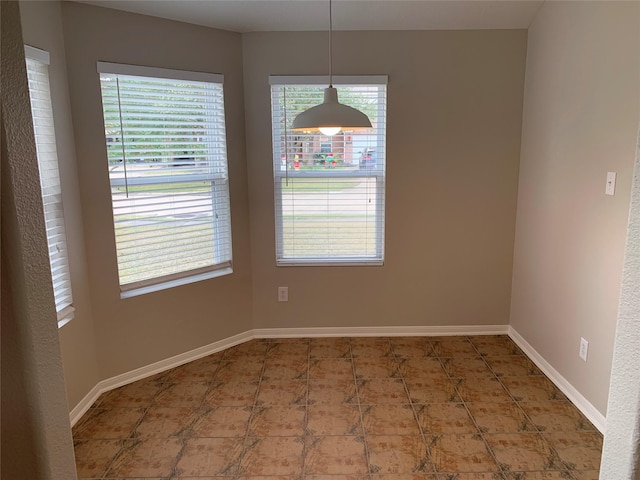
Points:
367	453
413	408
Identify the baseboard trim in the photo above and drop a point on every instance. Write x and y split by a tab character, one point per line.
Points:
152	369
158	367
589	411
404	331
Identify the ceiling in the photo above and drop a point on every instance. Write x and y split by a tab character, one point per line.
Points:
299	15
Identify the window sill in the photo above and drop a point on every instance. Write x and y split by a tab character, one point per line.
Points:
134	292
329	263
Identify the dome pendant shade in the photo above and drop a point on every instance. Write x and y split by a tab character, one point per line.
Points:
331	113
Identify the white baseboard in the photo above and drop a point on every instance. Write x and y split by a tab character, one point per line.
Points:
589	411
175	361
152	369
408	331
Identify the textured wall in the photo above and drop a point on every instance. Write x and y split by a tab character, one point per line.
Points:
621	452
42	28
580	121
36	435
453	142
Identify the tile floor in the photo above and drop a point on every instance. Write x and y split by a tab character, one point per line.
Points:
429	408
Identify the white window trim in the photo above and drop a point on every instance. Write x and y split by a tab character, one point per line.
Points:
323	80
187	276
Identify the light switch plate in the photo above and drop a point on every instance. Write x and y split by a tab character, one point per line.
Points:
611	183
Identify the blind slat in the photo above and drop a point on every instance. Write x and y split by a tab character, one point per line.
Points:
330	190
166	146
42	114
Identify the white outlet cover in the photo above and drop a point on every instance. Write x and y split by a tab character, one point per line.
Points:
283	294
584	349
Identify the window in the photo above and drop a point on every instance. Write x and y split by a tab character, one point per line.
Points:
42	114
329	190
166	149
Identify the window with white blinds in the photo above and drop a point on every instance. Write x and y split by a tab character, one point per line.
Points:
329	190
42	113
166	146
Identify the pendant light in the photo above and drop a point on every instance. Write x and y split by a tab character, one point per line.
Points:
331	116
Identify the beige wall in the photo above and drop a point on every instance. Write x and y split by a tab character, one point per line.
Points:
580	121
42	28
453	143
36	435
138	331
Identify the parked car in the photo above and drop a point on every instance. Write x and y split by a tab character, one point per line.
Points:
368	158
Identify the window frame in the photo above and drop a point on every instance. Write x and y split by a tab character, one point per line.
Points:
222	263
63	295
279	175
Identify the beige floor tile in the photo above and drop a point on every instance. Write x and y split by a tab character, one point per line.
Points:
138	394
464	453
556	416
210	456
521	452
505	417
338	409
371	351
232	394
329	349
240	370
108	423
279	368
417	350
404	476
376	367
337	477
201	370
273	456
437	390
282	392
398	454
389	420
331	391
498	348
439	418
152	457
512	365
344	455
292	349
166	422
331	369
466	367
182	395
93	457
222	422
482	389
382	390
471	476
422	367
550	475
454	347
329	419
579	450
278	420
532	389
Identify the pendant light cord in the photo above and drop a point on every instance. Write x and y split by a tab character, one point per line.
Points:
330	45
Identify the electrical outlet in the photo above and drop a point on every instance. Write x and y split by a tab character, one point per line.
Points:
283	294
610	189
584	349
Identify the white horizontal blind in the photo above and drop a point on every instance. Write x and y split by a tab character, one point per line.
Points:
329	190
42	113
167	156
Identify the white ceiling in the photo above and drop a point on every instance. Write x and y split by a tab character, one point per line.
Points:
297	15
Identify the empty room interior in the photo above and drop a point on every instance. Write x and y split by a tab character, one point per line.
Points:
450	293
